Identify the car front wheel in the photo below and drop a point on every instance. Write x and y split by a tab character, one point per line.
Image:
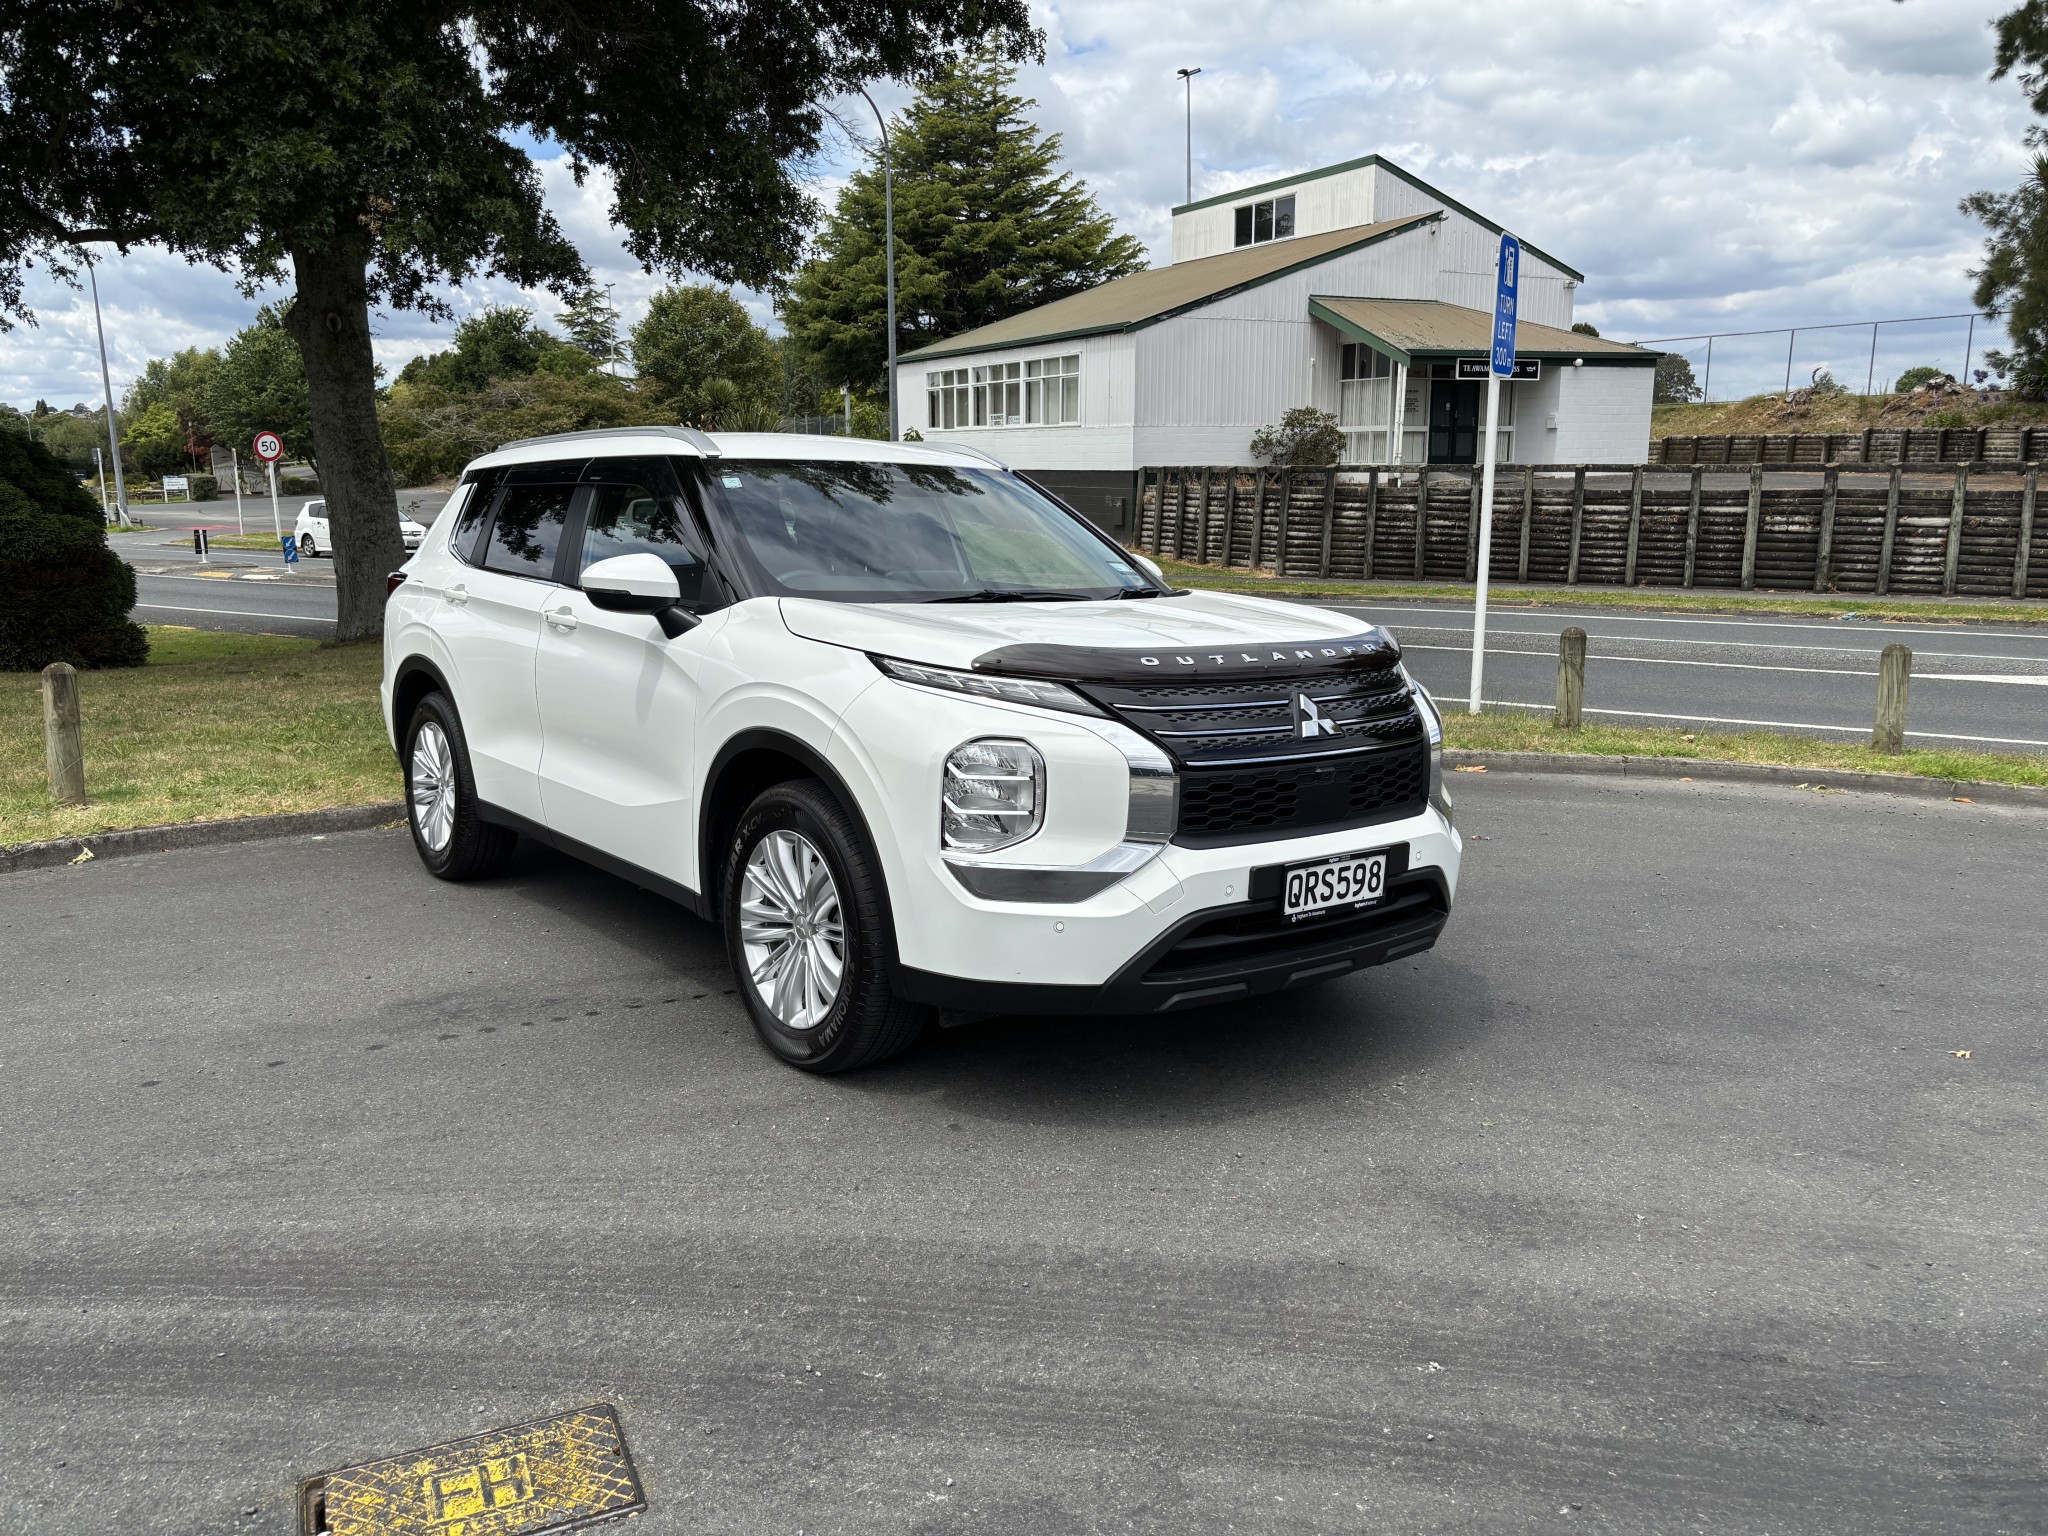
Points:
453	840
807	930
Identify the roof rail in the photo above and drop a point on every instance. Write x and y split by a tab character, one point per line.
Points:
972	453
697	440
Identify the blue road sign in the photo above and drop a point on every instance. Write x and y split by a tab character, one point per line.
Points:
1509	276
291	549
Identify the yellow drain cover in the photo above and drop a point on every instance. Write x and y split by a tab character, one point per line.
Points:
556	1474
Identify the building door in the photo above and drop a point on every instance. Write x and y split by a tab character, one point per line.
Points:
1454	421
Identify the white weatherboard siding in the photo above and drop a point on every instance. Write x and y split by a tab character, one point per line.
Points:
1603	415
1324	202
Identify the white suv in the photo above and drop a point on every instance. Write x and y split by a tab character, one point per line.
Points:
915	735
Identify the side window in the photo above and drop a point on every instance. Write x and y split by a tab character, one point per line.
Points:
469	520
527	530
628	519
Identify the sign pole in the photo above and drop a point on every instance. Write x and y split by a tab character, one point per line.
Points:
235	468
1502	365
276	522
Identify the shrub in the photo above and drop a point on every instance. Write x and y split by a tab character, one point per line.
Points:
68	595
204	487
1913	378
298	485
1304	439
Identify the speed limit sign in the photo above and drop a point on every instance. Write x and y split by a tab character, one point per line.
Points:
269	447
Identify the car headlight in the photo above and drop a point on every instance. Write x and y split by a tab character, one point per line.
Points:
993	795
1433	724
980	685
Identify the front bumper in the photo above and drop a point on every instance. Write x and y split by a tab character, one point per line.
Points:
1196	926
1221	955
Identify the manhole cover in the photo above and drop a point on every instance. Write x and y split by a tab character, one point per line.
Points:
558	1474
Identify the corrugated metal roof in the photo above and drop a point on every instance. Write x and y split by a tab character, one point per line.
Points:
1125	303
1412	328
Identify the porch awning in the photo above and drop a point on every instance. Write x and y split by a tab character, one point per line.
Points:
1424	330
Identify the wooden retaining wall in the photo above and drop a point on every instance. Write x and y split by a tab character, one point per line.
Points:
2010	446
1967	531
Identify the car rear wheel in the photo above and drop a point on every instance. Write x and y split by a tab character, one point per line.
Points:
453	840
307	547
807	930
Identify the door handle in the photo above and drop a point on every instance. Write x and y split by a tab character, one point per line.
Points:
563	619
457	594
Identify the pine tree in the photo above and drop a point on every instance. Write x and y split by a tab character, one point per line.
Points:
987	226
2014	278
589	321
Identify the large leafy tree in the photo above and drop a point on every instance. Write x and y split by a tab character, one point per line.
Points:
260	386
699	353
987	225
179	383
2014	278
363	151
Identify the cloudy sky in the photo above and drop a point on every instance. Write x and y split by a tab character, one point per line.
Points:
1730	166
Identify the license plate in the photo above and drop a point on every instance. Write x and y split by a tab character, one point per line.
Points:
1349	880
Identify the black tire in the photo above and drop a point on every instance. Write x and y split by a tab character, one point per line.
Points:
461	845
866	1022
308	550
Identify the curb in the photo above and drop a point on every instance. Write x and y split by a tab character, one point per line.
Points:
197	834
1913	785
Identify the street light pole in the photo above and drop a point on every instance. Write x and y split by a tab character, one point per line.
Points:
889	241
107	392
1188	78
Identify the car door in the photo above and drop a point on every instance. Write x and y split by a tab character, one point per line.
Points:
489	621
618	699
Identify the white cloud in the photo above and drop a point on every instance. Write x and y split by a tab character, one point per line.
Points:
1733	166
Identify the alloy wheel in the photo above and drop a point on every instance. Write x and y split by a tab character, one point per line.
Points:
791	929
433	786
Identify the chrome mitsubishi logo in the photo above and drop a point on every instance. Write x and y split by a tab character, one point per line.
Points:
1309	720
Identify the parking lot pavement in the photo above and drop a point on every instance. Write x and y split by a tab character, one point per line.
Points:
1654	1199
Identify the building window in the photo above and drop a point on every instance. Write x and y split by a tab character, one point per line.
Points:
946	398
1272	219
1365	403
1045	392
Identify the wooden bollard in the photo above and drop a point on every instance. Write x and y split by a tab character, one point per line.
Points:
1571	678
1894	678
63	742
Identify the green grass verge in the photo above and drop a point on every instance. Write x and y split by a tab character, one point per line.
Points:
245	541
216	725
1500	730
1888	610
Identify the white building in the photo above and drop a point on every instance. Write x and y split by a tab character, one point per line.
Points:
1356	288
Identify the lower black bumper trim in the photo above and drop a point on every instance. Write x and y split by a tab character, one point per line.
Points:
1149	985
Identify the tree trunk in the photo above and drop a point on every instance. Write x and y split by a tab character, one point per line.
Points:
330	320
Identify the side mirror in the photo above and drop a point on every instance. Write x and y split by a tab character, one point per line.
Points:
1151	569
640	583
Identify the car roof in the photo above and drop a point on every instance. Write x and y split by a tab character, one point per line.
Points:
688	443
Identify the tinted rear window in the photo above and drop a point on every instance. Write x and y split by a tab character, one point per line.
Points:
527	530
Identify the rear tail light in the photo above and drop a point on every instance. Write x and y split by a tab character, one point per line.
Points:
393	582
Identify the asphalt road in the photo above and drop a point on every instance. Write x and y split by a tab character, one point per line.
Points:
1974	685
1653	1199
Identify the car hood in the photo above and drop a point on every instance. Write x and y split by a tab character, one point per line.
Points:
1211	634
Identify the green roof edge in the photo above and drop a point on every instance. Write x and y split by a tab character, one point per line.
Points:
1358	165
1407	358
940	350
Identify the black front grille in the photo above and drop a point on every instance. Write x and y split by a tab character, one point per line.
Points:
1264	718
1267	800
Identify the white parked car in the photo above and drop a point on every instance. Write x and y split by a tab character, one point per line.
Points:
917	737
311	531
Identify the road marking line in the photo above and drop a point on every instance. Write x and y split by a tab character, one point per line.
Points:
1612	617
235	613
1980	677
1778	725
1676	661
1747	645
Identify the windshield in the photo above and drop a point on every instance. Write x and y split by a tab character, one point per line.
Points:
900	533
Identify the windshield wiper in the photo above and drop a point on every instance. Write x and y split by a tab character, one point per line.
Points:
1130	592
1013	595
